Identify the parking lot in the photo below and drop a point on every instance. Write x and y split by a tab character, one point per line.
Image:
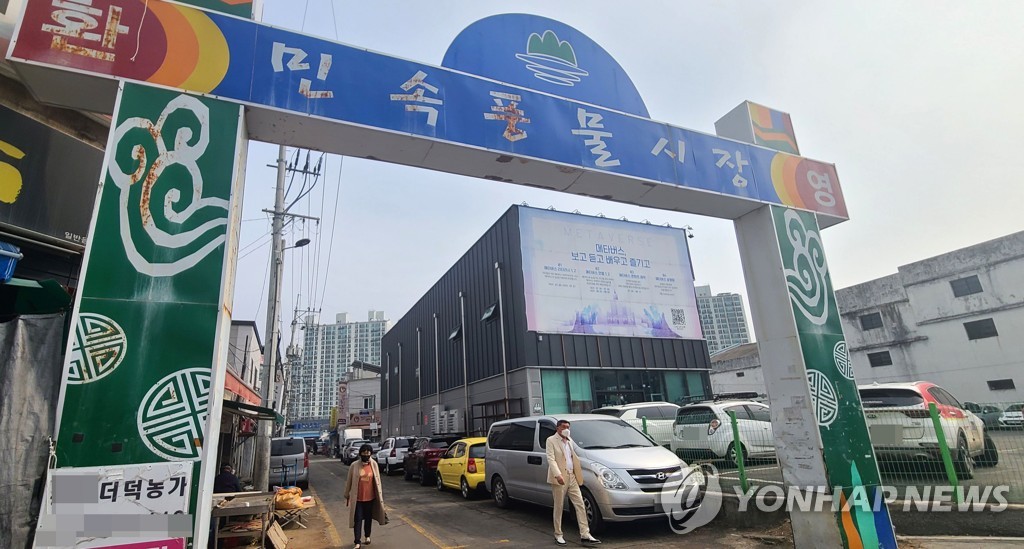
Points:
1009	471
446	520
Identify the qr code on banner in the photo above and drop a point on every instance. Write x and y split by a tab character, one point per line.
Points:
679	317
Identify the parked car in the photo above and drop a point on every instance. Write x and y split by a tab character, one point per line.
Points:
289	462
704	431
660	417
421	460
1012	418
462	467
989	413
623	471
901	427
391	456
350	452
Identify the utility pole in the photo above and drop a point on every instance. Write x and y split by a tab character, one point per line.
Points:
261	466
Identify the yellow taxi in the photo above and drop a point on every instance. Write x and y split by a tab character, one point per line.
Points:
462	466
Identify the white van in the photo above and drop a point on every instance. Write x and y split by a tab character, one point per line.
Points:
623	471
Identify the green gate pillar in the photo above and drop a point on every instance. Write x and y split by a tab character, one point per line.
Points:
817	418
140	406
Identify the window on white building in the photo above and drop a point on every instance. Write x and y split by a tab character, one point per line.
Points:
966	286
1001	385
871	321
881	358
981	329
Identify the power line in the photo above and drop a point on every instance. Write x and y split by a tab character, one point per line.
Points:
334	225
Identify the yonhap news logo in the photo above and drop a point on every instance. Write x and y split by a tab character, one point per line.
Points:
695	501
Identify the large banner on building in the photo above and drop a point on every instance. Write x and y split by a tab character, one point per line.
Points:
48	180
588	275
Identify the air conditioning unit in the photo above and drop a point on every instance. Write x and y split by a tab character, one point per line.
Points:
438	418
454	421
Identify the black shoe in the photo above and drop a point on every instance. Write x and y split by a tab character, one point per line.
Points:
591	541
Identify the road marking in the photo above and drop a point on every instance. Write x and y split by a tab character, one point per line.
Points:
437	542
332	532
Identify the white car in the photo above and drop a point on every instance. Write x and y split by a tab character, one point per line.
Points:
1012	418
391	456
704	431
660	416
902	430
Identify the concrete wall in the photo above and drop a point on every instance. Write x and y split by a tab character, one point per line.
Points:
738	380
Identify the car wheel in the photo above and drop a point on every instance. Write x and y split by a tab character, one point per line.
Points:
440	483
731	456
304	484
593	513
964	462
464	488
424	477
500	493
990	458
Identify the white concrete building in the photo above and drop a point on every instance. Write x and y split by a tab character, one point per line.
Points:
737	370
956	320
328	351
723	319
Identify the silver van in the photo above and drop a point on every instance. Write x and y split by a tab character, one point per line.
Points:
623	471
289	462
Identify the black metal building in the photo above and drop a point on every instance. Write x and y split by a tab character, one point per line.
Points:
472	326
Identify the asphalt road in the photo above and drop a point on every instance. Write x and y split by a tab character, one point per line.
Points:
422	516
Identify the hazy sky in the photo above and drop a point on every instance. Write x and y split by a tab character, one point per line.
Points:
918	103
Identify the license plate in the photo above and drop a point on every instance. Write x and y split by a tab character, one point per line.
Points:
886	435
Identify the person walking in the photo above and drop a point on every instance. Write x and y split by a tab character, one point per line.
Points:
566	477
364	496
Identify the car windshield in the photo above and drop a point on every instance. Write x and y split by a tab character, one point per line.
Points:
402	443
477	451
1015	408
439	444
607	412
890	398
286	447
601	434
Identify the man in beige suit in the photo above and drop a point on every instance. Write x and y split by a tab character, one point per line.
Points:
565	476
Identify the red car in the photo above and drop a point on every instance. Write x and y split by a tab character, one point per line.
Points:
421	461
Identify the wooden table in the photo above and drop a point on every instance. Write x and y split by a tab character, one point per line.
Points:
241	504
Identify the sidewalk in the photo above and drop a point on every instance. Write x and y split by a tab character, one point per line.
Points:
955	542
325	531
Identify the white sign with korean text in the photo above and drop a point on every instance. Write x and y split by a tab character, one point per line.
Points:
88	507
594	276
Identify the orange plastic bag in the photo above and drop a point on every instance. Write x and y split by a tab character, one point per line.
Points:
288	498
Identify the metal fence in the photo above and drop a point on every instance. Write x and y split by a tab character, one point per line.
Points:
920	446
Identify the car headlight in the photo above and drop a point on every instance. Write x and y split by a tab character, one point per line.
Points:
609	478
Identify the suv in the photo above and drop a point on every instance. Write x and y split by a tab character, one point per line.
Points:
391	456
901	427
624	472
660	417
289	462
421	461
704	431
350	451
